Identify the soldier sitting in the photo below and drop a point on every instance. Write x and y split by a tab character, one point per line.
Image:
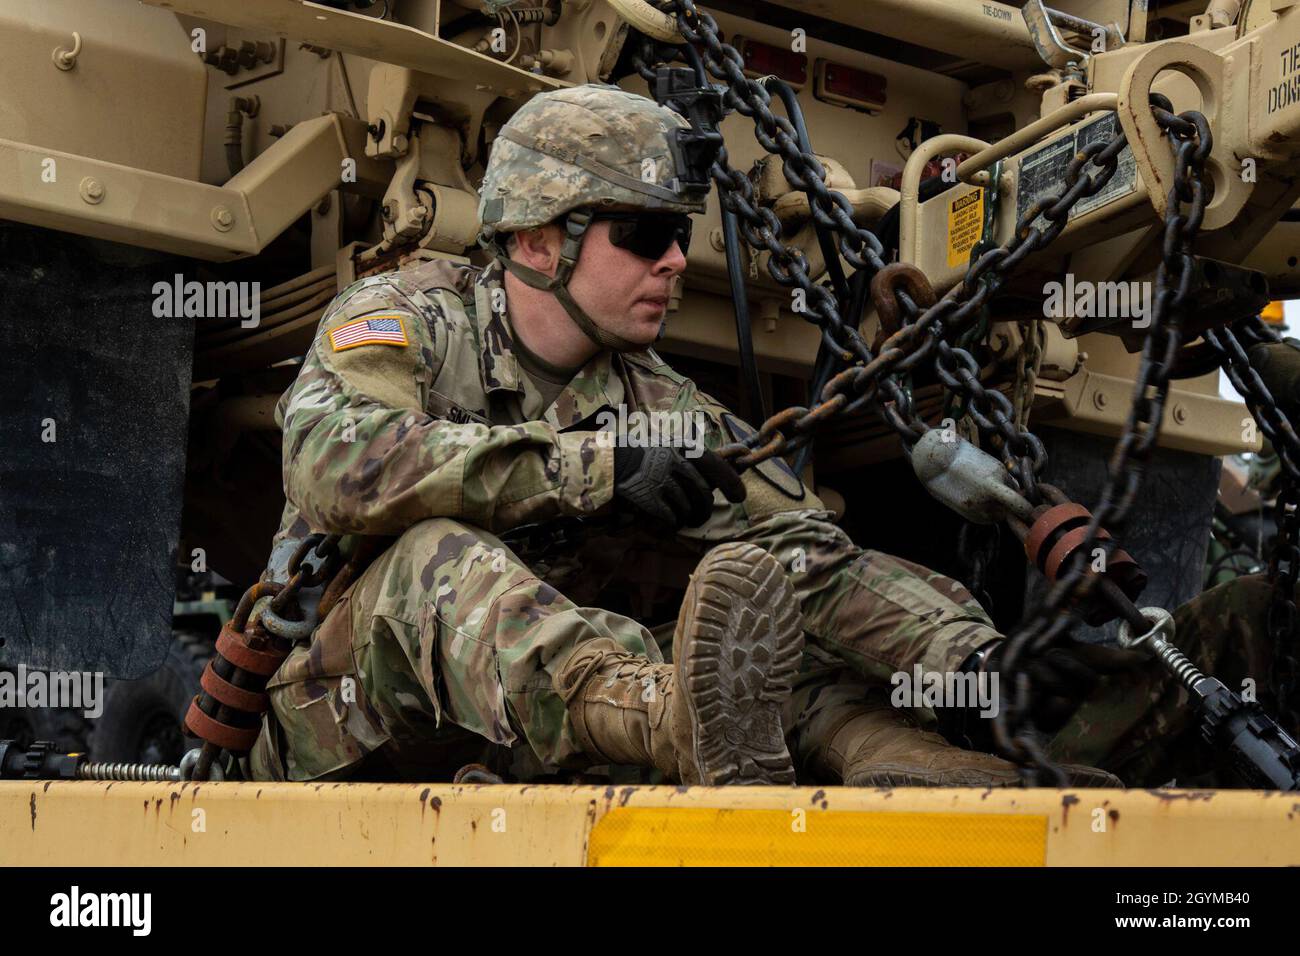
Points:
444	406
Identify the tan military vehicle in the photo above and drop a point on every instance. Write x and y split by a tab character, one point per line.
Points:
186	184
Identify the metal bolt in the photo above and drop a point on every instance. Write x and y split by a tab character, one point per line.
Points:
1099	399
1180	414
92	190
716	240
223	219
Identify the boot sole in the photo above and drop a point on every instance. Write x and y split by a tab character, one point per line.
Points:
909	777
738	653
1080	777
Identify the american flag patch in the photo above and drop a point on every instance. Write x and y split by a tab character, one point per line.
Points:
374	330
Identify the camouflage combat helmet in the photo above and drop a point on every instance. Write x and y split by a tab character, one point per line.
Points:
569	153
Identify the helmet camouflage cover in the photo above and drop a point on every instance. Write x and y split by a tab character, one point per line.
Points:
594	146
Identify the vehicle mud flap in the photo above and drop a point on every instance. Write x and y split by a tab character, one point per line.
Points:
94	387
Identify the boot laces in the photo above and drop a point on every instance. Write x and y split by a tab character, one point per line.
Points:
626	665
636	668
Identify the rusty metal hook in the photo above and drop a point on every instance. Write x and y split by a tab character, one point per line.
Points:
885	285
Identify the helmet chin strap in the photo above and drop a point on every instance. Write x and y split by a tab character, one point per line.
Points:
575	228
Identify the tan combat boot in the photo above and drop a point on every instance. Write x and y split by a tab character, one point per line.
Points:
714	716
881	746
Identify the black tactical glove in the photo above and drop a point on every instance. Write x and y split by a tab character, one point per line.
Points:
671	488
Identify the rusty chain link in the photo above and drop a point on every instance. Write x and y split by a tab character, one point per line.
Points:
1029	360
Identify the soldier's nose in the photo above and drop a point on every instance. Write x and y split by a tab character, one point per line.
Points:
671	262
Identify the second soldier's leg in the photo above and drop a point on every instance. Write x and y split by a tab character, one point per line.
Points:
1142	725
879	614
845	731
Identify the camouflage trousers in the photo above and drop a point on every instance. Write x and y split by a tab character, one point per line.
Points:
449	642
444	653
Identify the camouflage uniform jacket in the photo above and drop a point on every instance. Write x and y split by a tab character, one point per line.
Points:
446	424
380	436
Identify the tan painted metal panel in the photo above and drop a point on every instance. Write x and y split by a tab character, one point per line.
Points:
136	95
137	206
381	40
177	215
983	30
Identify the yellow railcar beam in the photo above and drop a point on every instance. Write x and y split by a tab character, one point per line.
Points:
254	824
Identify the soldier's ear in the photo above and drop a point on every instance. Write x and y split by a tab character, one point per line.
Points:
539	248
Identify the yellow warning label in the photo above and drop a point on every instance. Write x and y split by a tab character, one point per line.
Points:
965	223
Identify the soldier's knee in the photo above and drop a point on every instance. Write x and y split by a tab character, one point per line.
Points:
436	530
443	540
440	557
808	544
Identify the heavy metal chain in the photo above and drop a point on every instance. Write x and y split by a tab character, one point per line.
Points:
1236	364
274	615
1284	561
776	135
874	379
761	228
1029	360
877	379
1051	622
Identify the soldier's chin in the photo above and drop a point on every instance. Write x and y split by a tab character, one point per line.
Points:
649	310
648	326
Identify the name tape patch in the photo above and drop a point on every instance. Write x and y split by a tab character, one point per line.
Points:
371	330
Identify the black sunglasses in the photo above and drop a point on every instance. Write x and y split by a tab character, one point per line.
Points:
648	234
